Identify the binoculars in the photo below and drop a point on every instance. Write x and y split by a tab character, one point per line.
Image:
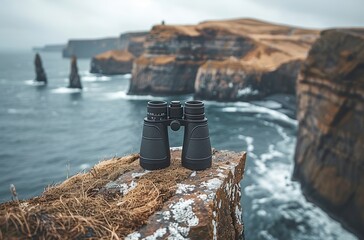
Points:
154	149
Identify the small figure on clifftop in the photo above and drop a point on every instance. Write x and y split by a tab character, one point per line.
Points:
163	23
39	71
75	80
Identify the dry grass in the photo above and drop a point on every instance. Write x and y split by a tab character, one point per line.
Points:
78	209
118	55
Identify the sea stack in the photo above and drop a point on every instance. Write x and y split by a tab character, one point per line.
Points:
75	80
39	71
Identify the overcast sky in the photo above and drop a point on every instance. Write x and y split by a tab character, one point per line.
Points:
28	23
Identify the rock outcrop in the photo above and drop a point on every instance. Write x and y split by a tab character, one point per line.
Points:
223	60
112	62
74	78
329	159
119	199
40	75
120	61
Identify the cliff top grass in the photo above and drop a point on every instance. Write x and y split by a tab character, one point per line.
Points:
81	208
238	27
118	55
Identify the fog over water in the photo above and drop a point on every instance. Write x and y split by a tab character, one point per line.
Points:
24	24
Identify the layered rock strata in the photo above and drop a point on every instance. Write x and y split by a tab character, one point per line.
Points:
74	78
329	159
40	75
119	199
222	60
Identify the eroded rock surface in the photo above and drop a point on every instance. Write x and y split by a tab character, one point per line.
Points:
222	60
40	75
329	160
112	62
206	205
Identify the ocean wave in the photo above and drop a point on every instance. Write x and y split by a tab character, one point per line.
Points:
65	90
251	108
249	142
268	104
19	111
34	83
128	75
94	78
124	95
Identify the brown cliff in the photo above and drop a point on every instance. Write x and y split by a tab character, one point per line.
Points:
117	199
329	159
120	60
220	59
112	62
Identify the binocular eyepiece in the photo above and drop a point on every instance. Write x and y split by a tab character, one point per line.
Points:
154	149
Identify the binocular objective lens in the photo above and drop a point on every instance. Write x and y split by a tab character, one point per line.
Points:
157	110
194	110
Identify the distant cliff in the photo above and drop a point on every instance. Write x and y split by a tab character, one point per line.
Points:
88	48
50	48
222	60
120	60
329	160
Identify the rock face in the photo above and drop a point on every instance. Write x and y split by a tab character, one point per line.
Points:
221	60
329	159
131	46
74	78
87	48
119	199
39	71
112	62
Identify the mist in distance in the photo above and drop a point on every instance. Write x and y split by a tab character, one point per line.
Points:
25	24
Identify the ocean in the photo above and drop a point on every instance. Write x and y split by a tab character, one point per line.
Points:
50	132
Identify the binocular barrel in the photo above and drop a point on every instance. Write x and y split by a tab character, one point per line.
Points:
154	149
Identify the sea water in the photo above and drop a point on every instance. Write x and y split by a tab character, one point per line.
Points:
50	132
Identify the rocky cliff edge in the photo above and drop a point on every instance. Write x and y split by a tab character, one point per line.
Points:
222	60
329	159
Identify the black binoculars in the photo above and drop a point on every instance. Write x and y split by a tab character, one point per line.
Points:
154	149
